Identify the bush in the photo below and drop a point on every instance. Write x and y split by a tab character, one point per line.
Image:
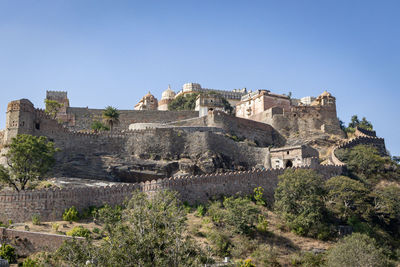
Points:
71	215
36	219
79	231
221	243
55	226
246	263
308	259
356	250
264	255
241	213
201	211
28	262
8	253
258	196
262	225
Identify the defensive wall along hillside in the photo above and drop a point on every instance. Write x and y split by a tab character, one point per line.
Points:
362	137
51	203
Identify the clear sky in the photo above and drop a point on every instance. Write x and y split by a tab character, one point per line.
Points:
113	52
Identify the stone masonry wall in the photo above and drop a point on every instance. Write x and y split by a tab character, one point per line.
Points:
27	242
51	203
84	117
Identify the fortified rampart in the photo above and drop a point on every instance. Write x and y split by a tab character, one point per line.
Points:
82	118
301	121
261	133
51	203
363	137
27	243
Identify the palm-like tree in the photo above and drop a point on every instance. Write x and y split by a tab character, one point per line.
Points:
110	116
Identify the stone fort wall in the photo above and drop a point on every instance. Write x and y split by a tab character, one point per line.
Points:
27	243
51	203
82	118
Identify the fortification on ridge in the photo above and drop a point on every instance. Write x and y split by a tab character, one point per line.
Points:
199	153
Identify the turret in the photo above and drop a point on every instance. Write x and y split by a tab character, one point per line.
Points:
20	117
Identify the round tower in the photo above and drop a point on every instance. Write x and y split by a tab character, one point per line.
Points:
20	117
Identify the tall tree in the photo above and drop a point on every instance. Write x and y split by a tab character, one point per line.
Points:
110	116
29	159
299	200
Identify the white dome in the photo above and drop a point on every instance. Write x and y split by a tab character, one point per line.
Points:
168	94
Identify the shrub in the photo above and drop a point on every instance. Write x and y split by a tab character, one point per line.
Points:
201	211
79	231
71	215
36	219
264	255
241	213
96	230
262	225
55	226
308	259
220	242
216	212
356	250
246	263
258	196
28	262
7	252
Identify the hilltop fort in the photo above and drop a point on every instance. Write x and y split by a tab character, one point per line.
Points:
199	153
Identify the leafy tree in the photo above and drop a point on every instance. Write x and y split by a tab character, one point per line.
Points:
183	102
29	159
52	107
396	159
299	200
356	250
387	206
151	233
354	122
367	125
98	126
347	197
110	116
227	106
365	162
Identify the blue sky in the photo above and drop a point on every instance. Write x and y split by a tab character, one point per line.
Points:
113	52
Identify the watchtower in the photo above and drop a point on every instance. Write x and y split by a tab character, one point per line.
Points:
20	117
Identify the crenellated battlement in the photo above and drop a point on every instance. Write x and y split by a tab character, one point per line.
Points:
51	203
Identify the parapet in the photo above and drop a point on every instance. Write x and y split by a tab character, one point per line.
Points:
56	95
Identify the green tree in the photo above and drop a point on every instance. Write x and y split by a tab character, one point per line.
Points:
152	232
387	206
367	125
29	159
347	197
110	116
356	250
98	126
52	107
183	102
365	162
299	200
